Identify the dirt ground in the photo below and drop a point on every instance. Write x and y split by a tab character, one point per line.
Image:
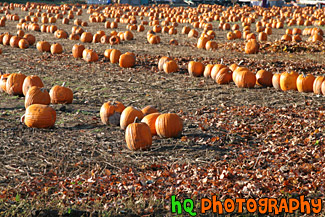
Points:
242	131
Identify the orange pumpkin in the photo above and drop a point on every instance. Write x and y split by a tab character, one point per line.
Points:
288	81
305	83
195	69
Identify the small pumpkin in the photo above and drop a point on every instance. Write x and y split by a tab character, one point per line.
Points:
317	86
37	95
31	80
86	37
162	60
128	115
23	43
30	38
127	60
224	76
115	56
195	69
138	136
77	50
56	48
3	81
252	47
264	78
207	71
110	112
61	95
39	116
276	81
244	78
114	40
305	83
89	55
148	110
216	69
150	119
14	84
43	46
169	125
288	80
170	66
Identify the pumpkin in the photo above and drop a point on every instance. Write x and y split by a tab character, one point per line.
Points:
77	50
127	60
317	86
31	80
23	44
276	81
105	39
224	76
323	88
296	38
288	80
305	83
202	42
43	46
207	71
216	69
14	84
86	37
114	40
148	110
107	53
96	38
56	48
61	34
89	55
231	36
3	81
138	136
195	69
6	39
115	56
169	125
37	95
244	78
128	35
61	95
170	66
110	112
14	40
252	47
39	116
162	60
262	36
150	120
173	42
264	78
128	115
30	38
286	37
211	45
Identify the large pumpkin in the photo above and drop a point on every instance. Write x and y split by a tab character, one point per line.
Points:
161	62
138	136
148	110
224	76
128	115
169	125
39	116
77	50
37	95
110	112
14	85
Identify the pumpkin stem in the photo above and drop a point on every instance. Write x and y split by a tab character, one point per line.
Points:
136	120
168	54
221	61
110	46
240	62
63	84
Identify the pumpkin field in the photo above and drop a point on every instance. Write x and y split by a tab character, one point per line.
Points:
110	110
